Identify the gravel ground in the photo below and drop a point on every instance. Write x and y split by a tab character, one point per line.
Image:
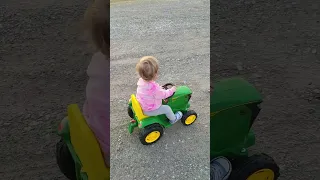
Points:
275	45
177	33
43	59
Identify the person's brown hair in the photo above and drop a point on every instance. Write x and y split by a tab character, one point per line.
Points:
147	67
97	23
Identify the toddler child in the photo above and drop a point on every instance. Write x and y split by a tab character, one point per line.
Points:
150	94
96	109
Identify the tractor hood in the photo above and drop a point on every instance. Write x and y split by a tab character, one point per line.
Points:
182	90
232	92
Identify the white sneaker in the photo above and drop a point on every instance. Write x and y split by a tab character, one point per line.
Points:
178	117
220	168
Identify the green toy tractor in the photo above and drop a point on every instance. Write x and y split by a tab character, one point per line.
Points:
152	126
78	152
234	106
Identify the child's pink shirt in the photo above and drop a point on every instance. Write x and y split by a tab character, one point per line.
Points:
150	94
97	105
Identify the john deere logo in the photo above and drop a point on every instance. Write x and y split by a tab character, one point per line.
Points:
174	99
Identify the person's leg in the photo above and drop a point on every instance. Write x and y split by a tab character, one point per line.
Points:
165	109
220	168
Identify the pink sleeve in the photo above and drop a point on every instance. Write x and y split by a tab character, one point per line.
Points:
97	105
162	93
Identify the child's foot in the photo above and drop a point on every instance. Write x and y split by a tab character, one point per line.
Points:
220	168
178	117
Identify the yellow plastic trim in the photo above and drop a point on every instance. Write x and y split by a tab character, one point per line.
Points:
137	108
86	146
263	174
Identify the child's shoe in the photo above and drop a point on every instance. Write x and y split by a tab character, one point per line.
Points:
178	117
220	168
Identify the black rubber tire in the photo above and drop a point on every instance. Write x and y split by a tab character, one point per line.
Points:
130	112
242	169
186	115
147	130
65	160
211	172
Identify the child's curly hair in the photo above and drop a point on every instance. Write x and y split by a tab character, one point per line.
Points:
147	68
97	22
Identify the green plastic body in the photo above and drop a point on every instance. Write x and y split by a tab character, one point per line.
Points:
178	102
234	105
64	133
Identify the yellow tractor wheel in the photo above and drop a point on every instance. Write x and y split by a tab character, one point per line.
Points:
256	167
151	134
189	118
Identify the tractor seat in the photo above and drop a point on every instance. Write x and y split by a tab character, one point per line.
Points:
137	108
86	146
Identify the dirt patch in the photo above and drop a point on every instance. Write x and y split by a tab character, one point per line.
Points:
43	59
275	45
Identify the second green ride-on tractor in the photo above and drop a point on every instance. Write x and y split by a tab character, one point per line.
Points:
152	126
234	106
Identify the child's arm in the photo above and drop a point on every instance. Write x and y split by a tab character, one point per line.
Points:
162	93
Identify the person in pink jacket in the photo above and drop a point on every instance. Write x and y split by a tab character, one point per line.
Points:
150	94
96	108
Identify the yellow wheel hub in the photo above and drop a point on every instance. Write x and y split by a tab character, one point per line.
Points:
190	119
263	174
152	137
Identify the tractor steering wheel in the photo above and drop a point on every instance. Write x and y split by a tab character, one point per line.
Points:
166	87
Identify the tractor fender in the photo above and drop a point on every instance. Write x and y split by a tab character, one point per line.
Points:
154	120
